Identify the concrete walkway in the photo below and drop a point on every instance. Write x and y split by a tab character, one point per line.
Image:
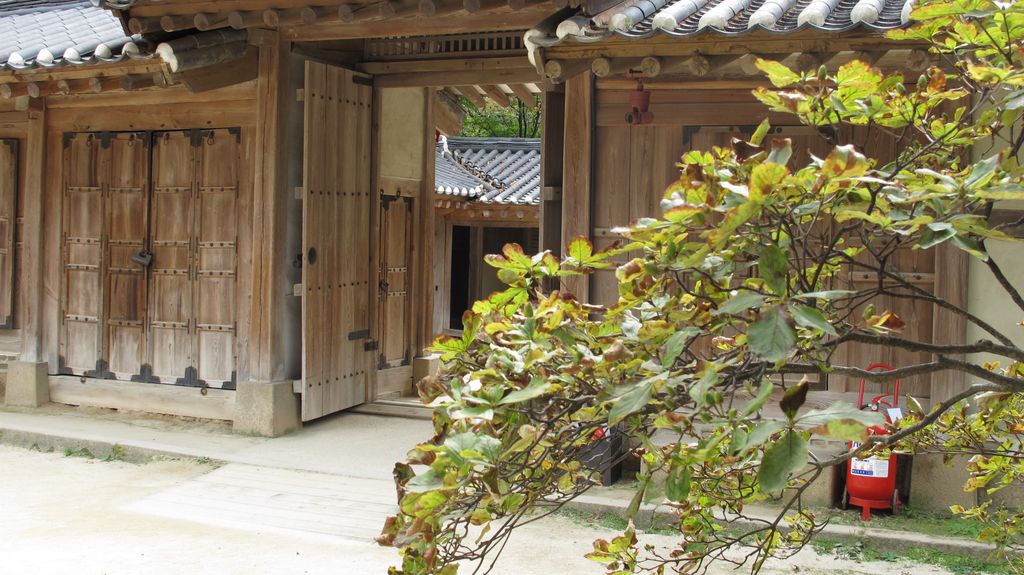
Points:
341	463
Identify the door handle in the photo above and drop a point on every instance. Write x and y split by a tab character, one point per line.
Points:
311	256
384	286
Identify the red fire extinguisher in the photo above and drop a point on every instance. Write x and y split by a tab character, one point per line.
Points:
871	482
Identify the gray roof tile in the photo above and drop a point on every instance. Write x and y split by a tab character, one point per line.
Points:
50	33
490	170
688	18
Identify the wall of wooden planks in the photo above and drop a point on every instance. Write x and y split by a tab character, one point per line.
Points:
632	166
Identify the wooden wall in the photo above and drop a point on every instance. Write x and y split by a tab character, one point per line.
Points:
617	173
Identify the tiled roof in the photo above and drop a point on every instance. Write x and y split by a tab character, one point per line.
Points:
51	33
490	170
686	18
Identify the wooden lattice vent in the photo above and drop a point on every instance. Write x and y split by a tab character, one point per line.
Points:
450	46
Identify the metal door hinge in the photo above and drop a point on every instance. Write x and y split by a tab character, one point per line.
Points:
370	345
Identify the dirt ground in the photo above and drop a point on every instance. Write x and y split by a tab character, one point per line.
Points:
69	515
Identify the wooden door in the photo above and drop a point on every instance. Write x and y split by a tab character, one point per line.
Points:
171	293
82	235
215	245
395	245
8	199
335	241
124	280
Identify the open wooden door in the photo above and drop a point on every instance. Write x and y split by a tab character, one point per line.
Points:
336	242
8	197
395	245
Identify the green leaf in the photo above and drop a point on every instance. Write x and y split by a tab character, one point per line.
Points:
771	337
427	481
763	432
772	266
935	233
782	459
677	484
811	318
826	294
740	303
763	393
982	172
779	75
631	401
780	151
580	249
764	178
841	421
538	386
760	132
675	345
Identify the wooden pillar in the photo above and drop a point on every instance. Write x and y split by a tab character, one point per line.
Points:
269	337
951	270
423	304
552	147
31	266
577	180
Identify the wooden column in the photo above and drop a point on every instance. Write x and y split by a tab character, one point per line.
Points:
31	265
270	339
423	304
577	180
552	147
951	269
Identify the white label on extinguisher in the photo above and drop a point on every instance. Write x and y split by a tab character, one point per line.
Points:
870	467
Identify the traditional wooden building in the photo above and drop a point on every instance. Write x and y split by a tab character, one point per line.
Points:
487	192
228	209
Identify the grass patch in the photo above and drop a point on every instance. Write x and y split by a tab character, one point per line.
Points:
80	452
958	564
909	519
117	453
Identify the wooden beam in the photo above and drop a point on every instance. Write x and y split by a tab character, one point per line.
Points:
12	91
243	20
496	95
918	59
144	25
133	82
99	85
176	23
37	89
448	112
602	67
224	74
474	6
696	65
276	18
812	61
524	94
446	65
65	87
314	14
473	95
562	70
439	7
208	21
371	25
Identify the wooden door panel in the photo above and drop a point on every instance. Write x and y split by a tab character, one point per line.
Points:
395	236
125	280
335	241
216	248
9	169
170	302
83	255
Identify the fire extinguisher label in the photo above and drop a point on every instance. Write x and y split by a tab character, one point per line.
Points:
871	467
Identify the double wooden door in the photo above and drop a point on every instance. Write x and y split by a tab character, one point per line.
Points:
8	198
149	256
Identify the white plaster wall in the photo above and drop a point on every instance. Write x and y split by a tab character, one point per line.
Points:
987	299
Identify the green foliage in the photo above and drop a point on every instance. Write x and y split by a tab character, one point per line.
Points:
732	297
493	121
